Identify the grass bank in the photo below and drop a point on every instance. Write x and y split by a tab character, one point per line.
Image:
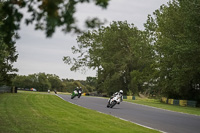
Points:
43	113
158	104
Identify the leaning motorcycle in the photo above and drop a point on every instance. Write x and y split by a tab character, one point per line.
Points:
74	94
113	101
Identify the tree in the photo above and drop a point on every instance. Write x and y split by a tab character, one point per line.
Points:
115	51
174	31
27	82
42	82
91	81
56	83
50	14
38	81
19	81
8	53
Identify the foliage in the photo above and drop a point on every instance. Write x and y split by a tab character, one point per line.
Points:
115	51
8	54
44	82
129	93
174	31
48	15
92	81
38	81
56	83
72	84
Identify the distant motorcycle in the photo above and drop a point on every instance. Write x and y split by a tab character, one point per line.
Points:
76	93
113	101
79	93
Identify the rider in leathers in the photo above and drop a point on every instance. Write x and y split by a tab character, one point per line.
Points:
120	93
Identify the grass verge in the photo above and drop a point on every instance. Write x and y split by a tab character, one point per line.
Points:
36	112
158	104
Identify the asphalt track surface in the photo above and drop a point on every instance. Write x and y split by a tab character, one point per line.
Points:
159	119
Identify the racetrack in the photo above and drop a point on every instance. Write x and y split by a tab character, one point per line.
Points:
163	120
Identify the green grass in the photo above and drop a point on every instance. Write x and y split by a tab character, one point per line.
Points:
156	103
43	113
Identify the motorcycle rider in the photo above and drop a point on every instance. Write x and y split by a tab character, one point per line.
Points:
76	89
79	92
74	93
80	89
119	94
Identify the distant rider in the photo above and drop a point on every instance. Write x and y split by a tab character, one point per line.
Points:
119	94
79	92
76	89
80	89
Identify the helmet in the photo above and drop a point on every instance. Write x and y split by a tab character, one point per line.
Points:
76	87
121	91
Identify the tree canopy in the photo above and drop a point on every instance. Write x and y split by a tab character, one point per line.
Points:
119	52
175	33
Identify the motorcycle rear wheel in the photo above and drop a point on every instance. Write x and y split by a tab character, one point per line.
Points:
72	97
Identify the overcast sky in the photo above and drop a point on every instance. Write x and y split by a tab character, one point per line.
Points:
40	54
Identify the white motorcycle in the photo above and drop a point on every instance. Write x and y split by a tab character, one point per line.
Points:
79	93
113	101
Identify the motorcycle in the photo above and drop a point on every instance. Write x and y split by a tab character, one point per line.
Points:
113	101
79	93
76	93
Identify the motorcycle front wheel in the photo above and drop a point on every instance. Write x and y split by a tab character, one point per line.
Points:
108	105
113	104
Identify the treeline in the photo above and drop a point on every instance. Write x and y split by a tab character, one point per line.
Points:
163	59
44	82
